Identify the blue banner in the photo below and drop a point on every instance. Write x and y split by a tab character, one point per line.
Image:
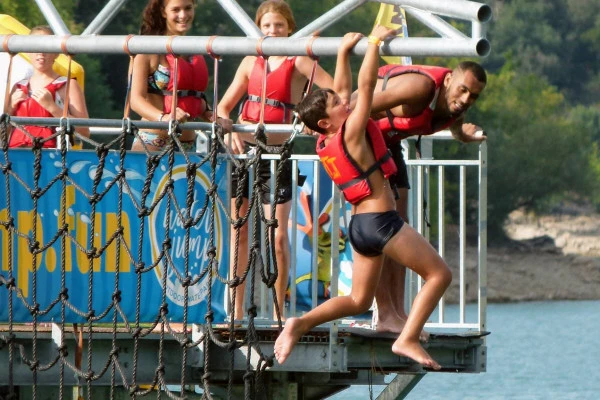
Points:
164	245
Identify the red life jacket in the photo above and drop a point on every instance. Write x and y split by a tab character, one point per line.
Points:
279	92
344	170
31	108
192	79
419	124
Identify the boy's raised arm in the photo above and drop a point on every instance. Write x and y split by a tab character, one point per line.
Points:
367	78
342	80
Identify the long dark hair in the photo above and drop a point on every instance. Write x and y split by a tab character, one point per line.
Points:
153	22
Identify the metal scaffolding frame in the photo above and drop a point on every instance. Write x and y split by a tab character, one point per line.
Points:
451	42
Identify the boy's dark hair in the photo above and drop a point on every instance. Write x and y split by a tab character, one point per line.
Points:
312	108
476	69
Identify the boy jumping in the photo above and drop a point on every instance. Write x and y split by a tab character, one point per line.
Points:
354	155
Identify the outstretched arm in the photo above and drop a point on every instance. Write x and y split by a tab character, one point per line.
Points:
236	90
367	78
467	133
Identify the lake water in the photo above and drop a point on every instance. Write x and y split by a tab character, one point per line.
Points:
536	351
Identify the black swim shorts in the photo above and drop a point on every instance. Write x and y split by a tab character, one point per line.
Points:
370	232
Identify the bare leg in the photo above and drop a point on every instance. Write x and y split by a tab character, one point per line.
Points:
282	253
390	315
242	260
409	248
365	276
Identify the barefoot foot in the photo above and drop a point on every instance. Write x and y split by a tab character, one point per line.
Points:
415	351
287	339
396	325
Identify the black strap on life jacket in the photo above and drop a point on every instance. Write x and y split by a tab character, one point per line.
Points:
368	172
180	93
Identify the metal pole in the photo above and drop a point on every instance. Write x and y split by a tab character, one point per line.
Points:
52	17
118	123
226	45
436	23
461	9
478	30
329	18
106	15
239	16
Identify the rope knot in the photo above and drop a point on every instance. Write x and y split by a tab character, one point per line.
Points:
117	296
7	167
133	390
114	352
90	314
235	281
140	268
64	294
186	281
209	317
211	252
252	311
34	246
63	350
35	193
211	190
34	365
91	253
164	309
190	171
10	282
144	212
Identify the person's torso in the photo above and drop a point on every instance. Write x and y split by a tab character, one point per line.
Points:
407	121
31	108
279	87
361	175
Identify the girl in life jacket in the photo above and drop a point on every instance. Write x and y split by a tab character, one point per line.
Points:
43	96
286	80
153	78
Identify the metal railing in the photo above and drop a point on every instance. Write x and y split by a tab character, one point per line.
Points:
423	184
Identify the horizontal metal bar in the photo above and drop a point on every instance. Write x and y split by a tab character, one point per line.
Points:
227	45
452	325
461	9
455	163
119	123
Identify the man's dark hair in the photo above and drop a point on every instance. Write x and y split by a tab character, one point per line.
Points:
476	69
312	108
